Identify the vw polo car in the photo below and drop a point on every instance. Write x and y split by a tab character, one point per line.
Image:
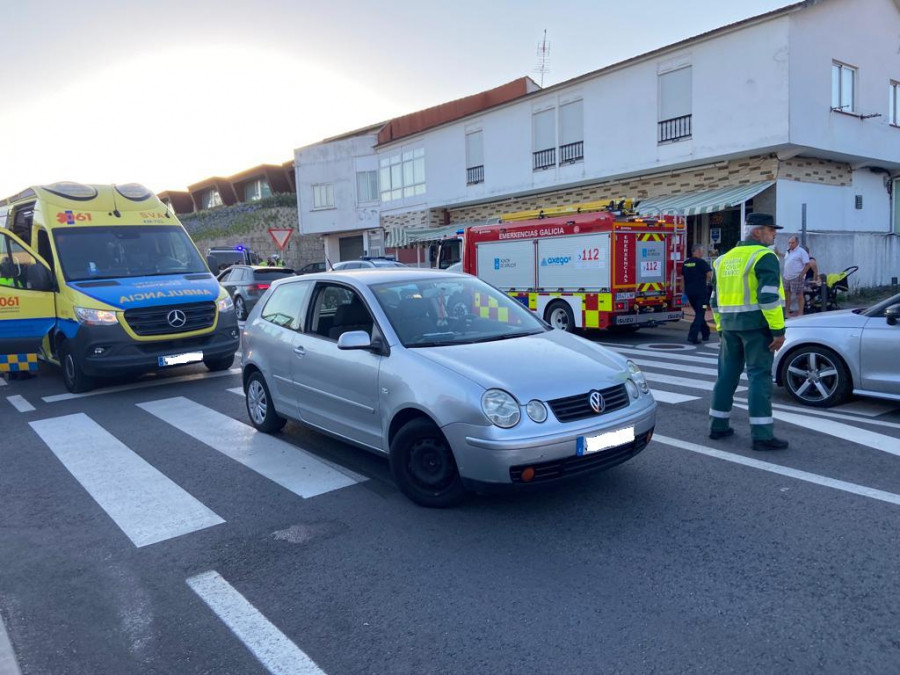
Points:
485	395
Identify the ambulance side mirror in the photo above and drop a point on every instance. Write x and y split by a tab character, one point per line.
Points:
39	278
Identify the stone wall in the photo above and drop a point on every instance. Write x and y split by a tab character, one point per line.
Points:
815	171
248	225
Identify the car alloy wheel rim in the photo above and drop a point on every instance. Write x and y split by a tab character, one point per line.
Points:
429	465
256	401
812	377
70	368
239	307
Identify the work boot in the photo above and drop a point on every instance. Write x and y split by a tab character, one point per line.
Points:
769	444
716	434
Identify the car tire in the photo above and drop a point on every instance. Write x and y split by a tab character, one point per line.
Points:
423	465
816	376
240	308
559	315
74	376
260	407
219	363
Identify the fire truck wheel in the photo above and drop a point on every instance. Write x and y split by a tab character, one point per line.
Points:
559	316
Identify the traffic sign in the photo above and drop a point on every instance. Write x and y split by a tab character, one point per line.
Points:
281	236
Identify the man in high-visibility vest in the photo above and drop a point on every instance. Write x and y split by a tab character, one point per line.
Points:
747	304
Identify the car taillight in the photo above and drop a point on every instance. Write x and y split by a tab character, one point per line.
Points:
259	287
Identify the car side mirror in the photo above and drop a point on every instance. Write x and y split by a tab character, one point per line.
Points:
892	313
355	339
39	278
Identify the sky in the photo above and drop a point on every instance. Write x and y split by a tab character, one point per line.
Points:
168	93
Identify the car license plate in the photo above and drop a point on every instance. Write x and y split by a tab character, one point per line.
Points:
180	359
611	439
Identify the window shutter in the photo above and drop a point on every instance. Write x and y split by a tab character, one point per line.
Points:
675	94
474	150
571	123
543	130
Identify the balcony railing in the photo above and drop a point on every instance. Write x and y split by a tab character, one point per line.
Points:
674	129
573	152
475	175
544	159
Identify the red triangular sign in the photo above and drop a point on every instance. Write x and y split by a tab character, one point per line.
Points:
280	236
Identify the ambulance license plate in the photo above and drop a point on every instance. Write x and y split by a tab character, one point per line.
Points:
180	359
611	439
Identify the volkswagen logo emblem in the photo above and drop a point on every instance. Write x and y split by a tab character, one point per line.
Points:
598	405
177	319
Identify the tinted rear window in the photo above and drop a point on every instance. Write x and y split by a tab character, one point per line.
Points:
274	273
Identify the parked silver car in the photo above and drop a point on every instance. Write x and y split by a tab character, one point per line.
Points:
828	356
484	397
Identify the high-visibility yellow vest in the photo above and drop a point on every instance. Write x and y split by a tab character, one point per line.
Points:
7	281
737	288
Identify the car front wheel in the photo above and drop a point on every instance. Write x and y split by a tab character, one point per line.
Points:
423	465
816	376
260	407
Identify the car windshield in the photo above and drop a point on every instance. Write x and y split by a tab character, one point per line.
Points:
130	251
878	308
453	311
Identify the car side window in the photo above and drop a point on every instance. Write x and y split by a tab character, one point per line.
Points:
226	276
15	262
286	307
337	310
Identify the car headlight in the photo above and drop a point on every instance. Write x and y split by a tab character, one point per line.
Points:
95	317
536	411
501	408
635	373
225	304
632	388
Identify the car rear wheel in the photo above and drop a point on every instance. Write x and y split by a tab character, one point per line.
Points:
559	315
816	376
73	374
240	309
260	407
423	465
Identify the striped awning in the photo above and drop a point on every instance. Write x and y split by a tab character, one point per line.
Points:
708	201
409	236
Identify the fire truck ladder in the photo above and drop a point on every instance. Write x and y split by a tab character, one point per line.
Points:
623	205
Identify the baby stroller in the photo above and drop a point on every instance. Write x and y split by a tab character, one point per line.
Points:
824	297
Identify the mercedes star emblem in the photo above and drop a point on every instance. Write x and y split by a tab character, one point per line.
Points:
597	402
177	319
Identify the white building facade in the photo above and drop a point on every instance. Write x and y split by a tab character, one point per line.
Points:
795	112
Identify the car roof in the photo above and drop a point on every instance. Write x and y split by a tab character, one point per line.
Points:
372	276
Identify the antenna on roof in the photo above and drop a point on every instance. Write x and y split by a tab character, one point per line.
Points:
543	54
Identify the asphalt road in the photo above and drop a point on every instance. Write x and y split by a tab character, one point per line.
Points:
184	542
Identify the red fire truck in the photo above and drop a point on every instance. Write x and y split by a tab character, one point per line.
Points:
583	270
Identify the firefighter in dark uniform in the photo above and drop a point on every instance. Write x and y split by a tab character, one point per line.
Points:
747	304
697	272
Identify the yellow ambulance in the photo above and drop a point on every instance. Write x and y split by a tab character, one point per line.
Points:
102	280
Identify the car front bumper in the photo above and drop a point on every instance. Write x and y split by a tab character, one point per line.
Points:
491	455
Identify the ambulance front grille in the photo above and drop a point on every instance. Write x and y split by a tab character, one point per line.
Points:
167	320
573	408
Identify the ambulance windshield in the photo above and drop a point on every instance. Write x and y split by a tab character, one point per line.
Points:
130	251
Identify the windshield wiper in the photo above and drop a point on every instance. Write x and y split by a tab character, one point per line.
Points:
508	336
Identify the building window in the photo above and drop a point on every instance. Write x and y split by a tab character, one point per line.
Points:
571	132
403	175
843	87
256	190
323	196
894	116
366	186
474	158
543	138
675	112
211	199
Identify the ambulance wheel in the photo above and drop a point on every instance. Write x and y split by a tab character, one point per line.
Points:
220	363
559	316
73	374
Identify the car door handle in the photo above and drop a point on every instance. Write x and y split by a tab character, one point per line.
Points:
300	351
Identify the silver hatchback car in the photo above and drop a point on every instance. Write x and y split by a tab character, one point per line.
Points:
485	394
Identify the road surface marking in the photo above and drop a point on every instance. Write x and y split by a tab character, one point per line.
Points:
3	381
8	663
683	381
669	397
816	479
819	412
695	370
289	466
147	506
268	644
708	360
867	408
141	385
20	404
864	437
236	390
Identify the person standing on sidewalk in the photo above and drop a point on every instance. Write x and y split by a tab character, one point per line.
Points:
796	263
747	303
697	274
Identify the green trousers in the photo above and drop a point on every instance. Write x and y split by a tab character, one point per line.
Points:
737	348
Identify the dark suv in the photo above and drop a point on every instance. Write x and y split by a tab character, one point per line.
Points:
246	284
311	268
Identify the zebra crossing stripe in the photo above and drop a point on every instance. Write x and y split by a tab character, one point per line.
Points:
695	370
145	504
20	404
279	461
659	354
683	381
268	644
157	382
670	397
